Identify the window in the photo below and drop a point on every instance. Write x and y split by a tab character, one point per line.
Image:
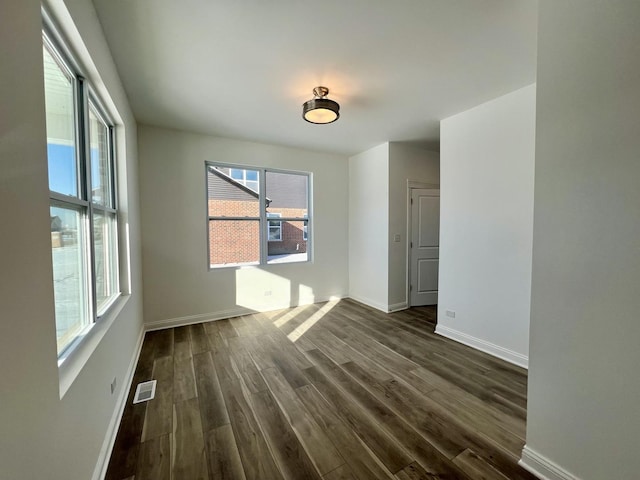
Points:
82	199
248	178
275	227
243	204
305	230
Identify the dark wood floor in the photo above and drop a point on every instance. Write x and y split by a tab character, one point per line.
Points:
333	391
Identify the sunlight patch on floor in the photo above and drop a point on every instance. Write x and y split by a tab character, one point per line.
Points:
288	316
311	321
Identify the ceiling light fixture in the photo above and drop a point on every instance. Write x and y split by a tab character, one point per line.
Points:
320	109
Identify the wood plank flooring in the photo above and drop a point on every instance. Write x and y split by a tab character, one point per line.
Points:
332	391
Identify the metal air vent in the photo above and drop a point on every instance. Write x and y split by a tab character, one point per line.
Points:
145	391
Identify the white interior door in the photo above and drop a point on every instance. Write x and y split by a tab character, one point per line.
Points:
424	246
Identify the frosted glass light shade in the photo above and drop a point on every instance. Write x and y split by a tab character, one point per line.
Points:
320	110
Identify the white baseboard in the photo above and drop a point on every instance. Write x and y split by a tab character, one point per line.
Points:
542	467
484	346
396	307
200	318
234	312
370	303
112	431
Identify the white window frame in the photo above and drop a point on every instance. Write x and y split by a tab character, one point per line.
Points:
263	219
86	98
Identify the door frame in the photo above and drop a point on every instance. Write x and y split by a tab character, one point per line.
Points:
411	185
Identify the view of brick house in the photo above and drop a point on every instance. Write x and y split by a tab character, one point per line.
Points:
233	201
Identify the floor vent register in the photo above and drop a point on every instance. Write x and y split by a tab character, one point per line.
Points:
145	391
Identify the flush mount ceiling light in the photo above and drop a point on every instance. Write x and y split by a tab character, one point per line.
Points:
320	109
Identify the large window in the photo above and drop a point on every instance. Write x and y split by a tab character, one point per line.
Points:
82	197
256	215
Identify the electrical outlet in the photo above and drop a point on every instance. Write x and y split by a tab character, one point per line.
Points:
396	237
450	314
113	385
267	293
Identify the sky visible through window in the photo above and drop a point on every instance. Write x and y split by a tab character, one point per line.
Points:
62	170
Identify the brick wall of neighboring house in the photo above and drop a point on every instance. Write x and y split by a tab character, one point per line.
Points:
233	241
233	208
237	241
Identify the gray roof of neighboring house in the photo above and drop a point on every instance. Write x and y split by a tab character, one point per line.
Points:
222	186
286	190
283	190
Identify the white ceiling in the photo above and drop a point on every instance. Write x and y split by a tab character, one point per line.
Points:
243	68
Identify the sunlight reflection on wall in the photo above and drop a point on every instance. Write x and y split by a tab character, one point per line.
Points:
260	290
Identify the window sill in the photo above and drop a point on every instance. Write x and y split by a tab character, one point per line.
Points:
75	358
239	266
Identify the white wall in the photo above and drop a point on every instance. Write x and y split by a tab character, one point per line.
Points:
368	226
584	387
173	204
378	211
486	224
406	162
44	436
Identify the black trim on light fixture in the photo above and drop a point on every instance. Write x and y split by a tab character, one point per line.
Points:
320	110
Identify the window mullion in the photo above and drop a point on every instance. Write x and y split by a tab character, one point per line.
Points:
85	164
264	225
289	219
67	199
233	218
81	133
112	171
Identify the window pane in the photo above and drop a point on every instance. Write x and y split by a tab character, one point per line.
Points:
69	274
227	198
106	264
292	246
100	162
61	136
287	194
234	242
